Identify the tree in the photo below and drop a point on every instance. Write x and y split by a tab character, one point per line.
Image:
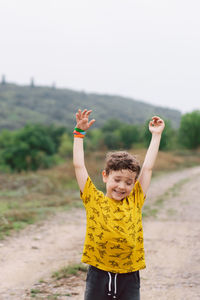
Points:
29	148
189	132
56	134
6	138
32	83
3	80
111	125
110	134
94	140
129	134
112	140
66	146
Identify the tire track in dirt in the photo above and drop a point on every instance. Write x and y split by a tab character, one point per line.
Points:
171	243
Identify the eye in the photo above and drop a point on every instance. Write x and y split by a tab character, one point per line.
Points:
117	180
129	183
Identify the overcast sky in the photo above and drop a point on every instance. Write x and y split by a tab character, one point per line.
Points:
146	49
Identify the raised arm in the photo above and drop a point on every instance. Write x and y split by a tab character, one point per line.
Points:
156	127
82	124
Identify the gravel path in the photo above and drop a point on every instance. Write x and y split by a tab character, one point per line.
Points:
172	243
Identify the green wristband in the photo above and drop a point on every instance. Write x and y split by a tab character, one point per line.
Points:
78	129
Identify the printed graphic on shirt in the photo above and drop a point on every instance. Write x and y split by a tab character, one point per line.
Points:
114	234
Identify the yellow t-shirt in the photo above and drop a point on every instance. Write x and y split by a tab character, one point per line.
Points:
114	234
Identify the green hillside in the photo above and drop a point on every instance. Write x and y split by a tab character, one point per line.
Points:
20	105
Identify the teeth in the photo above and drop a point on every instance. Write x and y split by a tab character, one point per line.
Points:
119	192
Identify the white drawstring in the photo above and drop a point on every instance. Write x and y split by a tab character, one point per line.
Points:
110	286
115	286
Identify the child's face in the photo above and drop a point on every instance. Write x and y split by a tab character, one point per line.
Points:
119	184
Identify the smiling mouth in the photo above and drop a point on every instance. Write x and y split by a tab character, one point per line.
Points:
119	193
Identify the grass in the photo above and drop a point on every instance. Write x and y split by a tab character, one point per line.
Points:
17	218
70	270
153	209
149	211
35	291
52	288
27	198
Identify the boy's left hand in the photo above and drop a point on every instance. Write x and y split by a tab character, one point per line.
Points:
156	125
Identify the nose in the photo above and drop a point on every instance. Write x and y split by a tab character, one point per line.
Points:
122	185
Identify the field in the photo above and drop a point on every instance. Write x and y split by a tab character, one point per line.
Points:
50	199
27	198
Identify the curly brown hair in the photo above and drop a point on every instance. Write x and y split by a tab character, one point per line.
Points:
121	160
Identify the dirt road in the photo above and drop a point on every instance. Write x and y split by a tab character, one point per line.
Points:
172	243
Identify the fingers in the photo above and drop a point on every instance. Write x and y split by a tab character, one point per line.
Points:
151	123
83	114
78	115
156	121
88	113
91	122
156	118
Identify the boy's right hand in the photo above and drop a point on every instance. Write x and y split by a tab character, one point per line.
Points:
82	119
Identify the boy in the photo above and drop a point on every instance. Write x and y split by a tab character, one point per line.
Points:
114	237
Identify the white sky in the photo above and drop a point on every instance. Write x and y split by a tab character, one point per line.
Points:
145	49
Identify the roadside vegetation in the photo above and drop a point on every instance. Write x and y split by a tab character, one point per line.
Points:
153	209
29	197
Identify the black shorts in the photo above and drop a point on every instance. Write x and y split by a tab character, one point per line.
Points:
102	285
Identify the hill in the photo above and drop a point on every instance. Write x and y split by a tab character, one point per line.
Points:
20	105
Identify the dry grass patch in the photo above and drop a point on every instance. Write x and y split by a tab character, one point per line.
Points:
64	284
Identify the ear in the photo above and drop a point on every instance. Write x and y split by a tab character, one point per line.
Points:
104	176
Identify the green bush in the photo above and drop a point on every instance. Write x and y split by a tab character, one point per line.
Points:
189	133
66	146
129	135
29	148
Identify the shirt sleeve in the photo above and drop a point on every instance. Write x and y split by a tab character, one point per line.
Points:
138	194
90	193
